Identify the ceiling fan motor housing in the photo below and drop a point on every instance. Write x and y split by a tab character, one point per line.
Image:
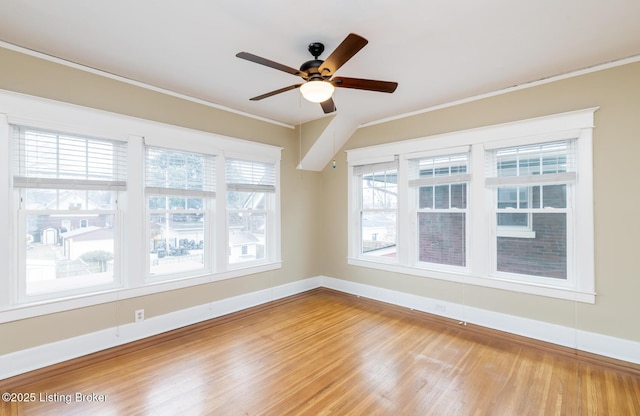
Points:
311	67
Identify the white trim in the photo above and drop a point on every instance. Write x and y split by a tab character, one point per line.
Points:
533	130
37	112
447	273
481	230
48	354
34	309
44	355
450	151
7	252
515	232
605	345
378	159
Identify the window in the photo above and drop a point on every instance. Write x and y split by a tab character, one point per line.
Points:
500	206
180	195
538	182
378	211
439	186
68	189
251	208
80	235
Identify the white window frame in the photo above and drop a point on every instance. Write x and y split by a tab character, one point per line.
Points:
414	209
518	231
271	212
364	168
209	232
20	187
481	223
568	179
20	109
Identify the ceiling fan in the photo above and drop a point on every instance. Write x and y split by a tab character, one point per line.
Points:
318	74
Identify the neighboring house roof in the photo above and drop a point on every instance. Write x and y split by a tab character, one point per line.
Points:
88	233
242	238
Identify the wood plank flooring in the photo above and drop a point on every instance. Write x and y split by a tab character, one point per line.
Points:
327	353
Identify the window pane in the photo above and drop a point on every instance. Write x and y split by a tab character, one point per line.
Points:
176	202
67	199
442	238
545	255
508	197
247	236
426	197
442	197
246	200
459	195
157	202
42	199
176	242
174	169
67	252
513	220
380	190
538	159
379	233
513	197
554	196
101	200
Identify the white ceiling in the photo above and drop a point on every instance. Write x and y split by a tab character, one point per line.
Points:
437	50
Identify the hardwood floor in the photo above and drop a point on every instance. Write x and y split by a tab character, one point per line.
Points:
324	352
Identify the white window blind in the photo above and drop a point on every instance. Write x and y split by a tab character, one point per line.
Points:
174	172
439	170
44	159
545	163
250	176
360	170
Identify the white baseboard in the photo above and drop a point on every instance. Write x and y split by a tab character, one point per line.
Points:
44	355
618	348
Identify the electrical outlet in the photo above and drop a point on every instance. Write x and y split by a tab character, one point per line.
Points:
139	315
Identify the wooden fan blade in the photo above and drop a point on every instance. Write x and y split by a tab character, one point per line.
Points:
328	106
269	94
365	84
345	51
271	64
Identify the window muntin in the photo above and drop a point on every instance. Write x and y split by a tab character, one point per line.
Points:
180	190
68	188
251	187
440	185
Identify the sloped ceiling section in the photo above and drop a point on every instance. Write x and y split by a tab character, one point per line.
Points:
438	51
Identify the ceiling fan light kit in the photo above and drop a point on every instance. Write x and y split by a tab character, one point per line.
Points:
319	83
317	91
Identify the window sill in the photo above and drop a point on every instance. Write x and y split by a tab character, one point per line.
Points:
525	233
496	283
33	309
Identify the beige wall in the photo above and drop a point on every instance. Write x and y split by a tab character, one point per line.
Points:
300	200
316	202
616	192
